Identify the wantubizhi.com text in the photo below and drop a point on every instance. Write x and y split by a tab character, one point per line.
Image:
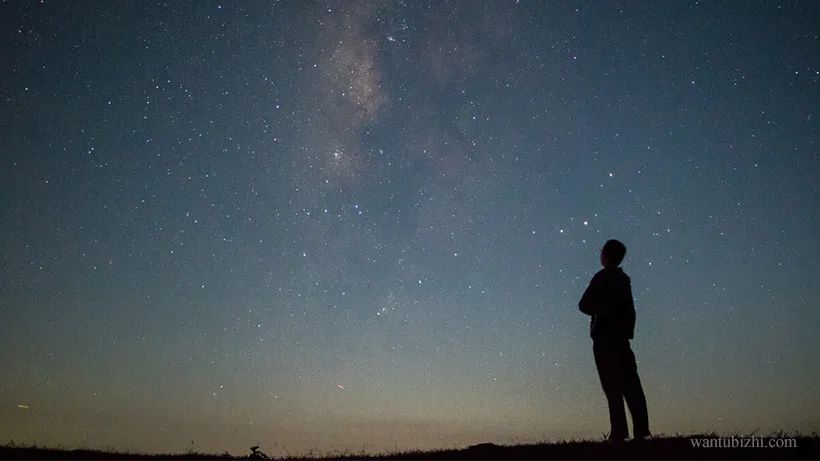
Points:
743	442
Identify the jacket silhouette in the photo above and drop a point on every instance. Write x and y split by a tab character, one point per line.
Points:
608	300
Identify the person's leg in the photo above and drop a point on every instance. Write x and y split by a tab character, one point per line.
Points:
607	362
633	392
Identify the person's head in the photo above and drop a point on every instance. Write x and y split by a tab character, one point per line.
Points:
612	253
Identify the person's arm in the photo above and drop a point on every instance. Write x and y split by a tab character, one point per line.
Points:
630	309
630	302
591	299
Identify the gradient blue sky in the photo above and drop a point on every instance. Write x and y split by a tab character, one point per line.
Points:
351	225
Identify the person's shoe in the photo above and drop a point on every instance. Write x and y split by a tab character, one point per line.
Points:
641	437
615	441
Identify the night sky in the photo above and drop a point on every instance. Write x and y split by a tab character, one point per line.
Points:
368	225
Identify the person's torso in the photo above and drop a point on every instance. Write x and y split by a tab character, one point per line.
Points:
618	319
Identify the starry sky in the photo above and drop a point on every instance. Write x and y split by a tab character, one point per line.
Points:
367	225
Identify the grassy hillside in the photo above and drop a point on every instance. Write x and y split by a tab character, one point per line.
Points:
664	447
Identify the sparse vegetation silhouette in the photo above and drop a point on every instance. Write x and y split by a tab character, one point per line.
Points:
257	454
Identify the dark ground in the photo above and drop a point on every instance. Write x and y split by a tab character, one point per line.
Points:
673	447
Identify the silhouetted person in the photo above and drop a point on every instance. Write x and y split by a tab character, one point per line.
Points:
608	300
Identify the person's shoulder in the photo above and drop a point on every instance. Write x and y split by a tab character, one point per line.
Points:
614	273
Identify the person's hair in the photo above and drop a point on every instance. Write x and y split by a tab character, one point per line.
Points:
615	251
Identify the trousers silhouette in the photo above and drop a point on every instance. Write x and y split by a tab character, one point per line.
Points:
619	378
